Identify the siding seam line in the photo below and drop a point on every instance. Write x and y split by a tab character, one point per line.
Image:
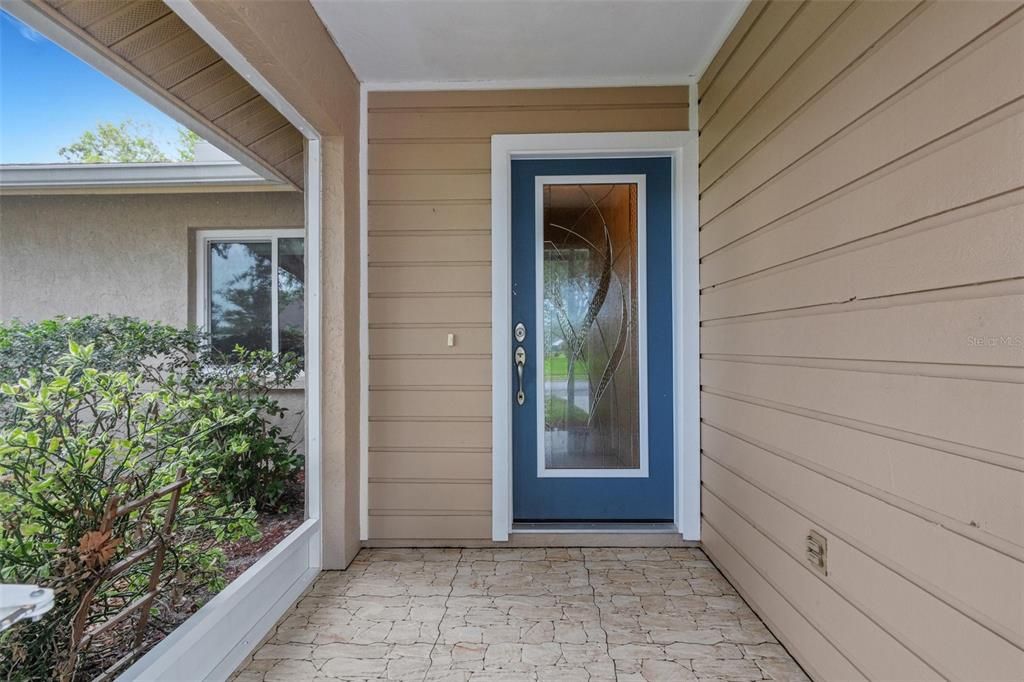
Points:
430	232
902	299
943	64
429	419
429	481
999	202
432	388
428	263
431	450
430	294
442	324
983	538
429	202
762	613
930	589
898	367
980	455
800	59
958	134
734	50
390	511
753	65
785	597
973	204
854	604
417	172
425	356
833	82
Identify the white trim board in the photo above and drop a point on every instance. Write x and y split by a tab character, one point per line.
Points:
364	318
682	148
526	84
228	175
217	638
314	346
538	333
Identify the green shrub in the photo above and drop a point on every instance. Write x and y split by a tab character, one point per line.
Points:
130	404
79	436
250	459
119	344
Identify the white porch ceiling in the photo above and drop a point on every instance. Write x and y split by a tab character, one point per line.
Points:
528	42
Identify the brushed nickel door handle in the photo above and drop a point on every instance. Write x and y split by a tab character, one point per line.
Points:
520	364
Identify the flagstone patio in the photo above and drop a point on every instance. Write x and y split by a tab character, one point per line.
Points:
522	614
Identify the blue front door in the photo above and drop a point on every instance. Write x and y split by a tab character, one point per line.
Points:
592	342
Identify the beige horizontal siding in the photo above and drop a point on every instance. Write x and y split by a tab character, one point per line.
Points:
404	529
978	243
429	276
862	274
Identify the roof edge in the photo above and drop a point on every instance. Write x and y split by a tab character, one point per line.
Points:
137	176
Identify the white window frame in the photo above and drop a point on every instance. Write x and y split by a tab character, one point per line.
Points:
681	147
206	237
641	225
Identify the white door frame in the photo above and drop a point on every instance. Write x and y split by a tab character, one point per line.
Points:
682	148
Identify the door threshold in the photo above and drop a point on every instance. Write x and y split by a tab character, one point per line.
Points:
593	527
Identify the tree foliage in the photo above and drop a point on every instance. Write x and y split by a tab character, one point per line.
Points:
125	142
187	144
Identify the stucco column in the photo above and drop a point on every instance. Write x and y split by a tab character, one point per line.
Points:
287	43
339	261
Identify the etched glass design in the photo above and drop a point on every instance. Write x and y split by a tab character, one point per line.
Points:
590	327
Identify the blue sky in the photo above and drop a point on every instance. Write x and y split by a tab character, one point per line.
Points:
48	97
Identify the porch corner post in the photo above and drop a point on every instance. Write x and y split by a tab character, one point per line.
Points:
340	383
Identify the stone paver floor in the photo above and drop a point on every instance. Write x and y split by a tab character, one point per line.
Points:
522	614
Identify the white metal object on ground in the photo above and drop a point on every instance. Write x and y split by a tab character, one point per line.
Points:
20	602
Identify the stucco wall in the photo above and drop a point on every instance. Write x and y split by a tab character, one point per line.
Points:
123	254
862	262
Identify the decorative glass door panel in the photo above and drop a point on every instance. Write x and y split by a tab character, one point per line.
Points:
592	434
590	253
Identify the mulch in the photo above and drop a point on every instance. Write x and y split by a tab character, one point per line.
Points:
240	556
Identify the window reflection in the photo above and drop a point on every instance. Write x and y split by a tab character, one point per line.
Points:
240	295
291	286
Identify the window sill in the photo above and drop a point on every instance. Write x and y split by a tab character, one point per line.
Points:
298	385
